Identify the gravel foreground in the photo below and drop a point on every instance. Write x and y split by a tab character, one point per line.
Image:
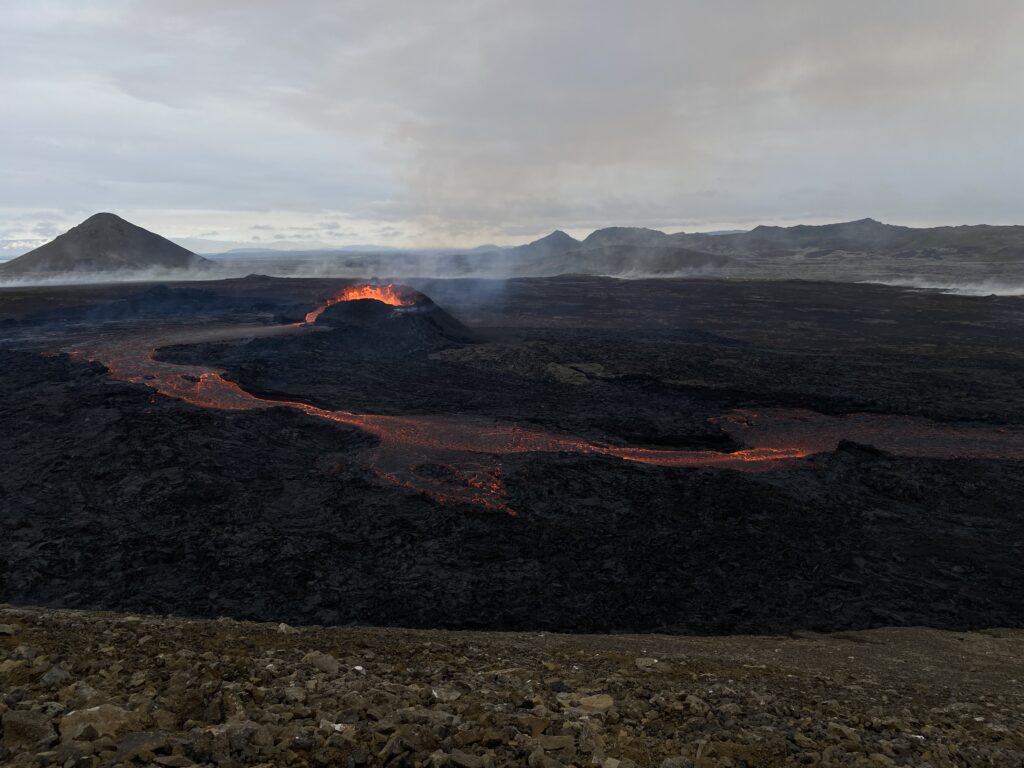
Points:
84	689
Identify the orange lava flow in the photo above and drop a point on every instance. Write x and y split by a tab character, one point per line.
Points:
386	294
459	459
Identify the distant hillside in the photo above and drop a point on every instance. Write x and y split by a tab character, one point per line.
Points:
637	250
864	249
863	236
611	251
103	243
558	242
601	238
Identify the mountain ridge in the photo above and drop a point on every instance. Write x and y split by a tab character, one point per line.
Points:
866	235
104	242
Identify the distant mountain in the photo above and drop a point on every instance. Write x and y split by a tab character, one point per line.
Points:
866	236
635	251
865	249
557	243
534	258
862	235
601	238
611	251
103	243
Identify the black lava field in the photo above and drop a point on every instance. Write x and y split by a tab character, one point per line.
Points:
576	454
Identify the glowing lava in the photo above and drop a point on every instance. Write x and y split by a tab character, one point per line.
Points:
459	459
386	294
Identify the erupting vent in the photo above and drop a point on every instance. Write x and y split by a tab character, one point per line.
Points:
386	294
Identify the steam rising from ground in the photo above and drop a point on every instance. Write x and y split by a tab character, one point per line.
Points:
491	267
343	265
987	287
218	270
123	276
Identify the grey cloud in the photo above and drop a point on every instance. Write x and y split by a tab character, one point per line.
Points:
518	117
45	229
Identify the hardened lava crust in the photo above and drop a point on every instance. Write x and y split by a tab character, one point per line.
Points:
571	454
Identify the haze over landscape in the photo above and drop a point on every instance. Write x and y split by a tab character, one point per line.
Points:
487	384
452	125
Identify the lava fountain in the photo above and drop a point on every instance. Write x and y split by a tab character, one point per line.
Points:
386	294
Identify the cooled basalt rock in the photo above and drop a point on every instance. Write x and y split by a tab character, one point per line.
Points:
159	302
113	498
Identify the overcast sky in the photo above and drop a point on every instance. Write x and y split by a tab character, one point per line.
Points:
426	123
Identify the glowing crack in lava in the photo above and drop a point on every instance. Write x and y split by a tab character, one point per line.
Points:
460	459
387	294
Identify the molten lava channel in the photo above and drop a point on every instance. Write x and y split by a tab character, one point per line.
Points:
386	294
410	449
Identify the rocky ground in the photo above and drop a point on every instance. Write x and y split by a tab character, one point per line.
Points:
83	689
